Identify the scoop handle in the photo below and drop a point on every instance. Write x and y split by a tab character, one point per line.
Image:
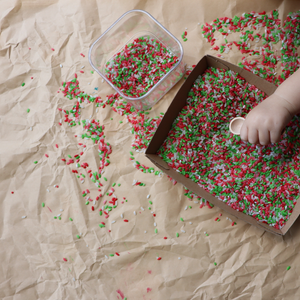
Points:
236	124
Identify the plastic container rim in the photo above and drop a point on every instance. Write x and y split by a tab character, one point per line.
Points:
165	76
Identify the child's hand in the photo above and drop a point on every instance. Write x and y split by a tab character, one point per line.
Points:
265	122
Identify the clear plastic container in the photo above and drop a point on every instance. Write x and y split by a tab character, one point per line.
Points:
134	24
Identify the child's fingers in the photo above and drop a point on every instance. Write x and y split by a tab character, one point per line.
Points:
275	136
252	135
264	136
244	133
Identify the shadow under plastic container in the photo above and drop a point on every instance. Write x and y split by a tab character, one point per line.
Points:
132	25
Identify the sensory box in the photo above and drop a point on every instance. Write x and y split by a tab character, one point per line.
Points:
173	111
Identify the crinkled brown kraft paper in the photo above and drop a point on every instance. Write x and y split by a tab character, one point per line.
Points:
251	263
